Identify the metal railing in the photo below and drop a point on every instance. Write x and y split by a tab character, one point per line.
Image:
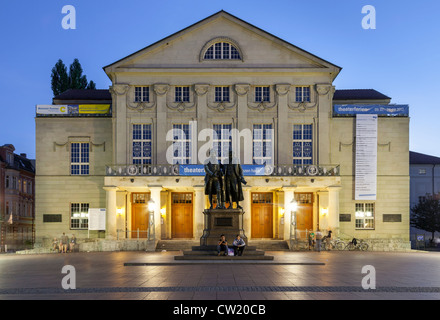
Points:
269	170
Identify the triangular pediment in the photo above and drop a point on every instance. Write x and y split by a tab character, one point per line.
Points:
258	49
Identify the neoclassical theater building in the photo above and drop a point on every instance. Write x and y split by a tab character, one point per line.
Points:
132	156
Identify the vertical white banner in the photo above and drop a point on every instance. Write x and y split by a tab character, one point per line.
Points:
366	157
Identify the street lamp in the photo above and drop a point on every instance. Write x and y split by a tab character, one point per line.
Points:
293	210
151	229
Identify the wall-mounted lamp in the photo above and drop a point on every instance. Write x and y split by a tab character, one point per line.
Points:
119	211
324	211
282	211
163	212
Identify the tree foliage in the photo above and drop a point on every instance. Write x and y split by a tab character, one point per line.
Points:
426	215
61	80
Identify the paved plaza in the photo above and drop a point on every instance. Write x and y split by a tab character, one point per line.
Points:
157	276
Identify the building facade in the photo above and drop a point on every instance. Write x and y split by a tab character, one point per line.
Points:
223	84
425	183
17	202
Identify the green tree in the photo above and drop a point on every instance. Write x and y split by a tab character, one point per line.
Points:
76	79
426	215
61	80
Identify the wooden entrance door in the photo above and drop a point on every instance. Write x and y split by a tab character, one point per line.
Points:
304	214
181	215
262	215
139	214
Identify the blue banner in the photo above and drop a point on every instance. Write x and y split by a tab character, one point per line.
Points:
198	170
389	110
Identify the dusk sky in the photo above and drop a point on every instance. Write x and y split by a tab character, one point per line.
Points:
400	58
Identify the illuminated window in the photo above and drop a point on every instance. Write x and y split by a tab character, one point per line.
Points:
222	141
364	215
79	215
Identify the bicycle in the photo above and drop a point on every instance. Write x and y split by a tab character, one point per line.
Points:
355	244
333	243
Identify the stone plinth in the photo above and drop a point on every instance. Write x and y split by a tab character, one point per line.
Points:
222	221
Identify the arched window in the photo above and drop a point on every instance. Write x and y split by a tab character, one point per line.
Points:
221	49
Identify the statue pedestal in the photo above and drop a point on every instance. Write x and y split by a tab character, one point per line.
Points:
222	221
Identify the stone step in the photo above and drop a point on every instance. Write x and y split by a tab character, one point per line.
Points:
223	258
176	245
214	248
214	253
271	245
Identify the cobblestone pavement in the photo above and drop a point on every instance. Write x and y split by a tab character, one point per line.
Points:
157	276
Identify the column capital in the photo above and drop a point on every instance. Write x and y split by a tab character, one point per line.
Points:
110	188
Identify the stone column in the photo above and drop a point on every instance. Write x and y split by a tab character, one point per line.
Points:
199	206
119	109
155	196
289	193
325	97
283	131
111	212
247	208
161	144
242	125
333	209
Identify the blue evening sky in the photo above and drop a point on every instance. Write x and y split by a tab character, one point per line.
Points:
400	58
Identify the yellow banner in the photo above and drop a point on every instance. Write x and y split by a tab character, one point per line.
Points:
94	108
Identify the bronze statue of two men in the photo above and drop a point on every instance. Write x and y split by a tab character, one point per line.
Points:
224	181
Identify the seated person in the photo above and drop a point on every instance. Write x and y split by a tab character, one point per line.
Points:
239	246
222	245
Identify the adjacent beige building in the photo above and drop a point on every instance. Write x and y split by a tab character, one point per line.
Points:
224	84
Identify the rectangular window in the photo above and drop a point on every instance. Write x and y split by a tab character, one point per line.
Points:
262	94
79	215
302	94
141	94
142	144
222	140
302	151
7	183
262	144
79	158
364	216
182	94
221	94
181	143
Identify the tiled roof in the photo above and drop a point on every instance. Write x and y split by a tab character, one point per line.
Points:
84	94
420	158
359	94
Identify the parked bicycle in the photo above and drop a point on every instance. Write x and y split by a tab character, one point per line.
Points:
354	244
333	244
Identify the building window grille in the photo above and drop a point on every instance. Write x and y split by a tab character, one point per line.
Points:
181	143
79	215
302	94
262	94
79	158
182	94
142	144
222	51
141	94
222	140
262	144
302	150
364	216
221	94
